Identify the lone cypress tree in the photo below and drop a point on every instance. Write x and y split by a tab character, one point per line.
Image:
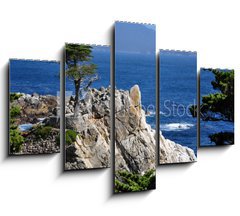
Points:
80	69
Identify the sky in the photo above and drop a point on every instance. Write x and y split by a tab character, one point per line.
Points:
135	38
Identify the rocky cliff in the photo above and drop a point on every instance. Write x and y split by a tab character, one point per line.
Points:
91	148
40	113
171	152
135	141
36	106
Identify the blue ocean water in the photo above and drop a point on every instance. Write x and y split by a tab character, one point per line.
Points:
140	69
42	77
210	127
178	91
101	57
25	127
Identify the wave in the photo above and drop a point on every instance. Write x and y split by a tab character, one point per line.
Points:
41	119
153	113
150	113
175	126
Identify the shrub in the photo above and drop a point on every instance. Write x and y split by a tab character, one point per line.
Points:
128	182
70	137
222	101
16	140
12	123
43	131
222	138
15	111
14	96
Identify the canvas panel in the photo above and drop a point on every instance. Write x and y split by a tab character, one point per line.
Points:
216	107
34	120
178	93
135	101
87	107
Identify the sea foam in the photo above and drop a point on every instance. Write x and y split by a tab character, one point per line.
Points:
175	126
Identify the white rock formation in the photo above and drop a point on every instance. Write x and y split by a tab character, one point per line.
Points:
171	152
135	148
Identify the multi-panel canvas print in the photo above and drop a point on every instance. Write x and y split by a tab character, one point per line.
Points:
135	87
34	120
87	106
178	94
216	107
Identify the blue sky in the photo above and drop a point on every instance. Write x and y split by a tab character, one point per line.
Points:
135	38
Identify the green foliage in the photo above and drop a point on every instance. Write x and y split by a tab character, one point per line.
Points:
78	57
223	101
70	137
80	71
15	111
77	52
14	96
214	102
79	68
16	140
129	182
224	81
42	132
12	124
217	102
222	138
15	137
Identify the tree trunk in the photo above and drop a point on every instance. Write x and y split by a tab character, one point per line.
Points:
76	105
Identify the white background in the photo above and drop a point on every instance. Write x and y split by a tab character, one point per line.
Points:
38	30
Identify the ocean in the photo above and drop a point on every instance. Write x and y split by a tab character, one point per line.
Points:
43	77
178	90
210	127
140	69
28	76
131	69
